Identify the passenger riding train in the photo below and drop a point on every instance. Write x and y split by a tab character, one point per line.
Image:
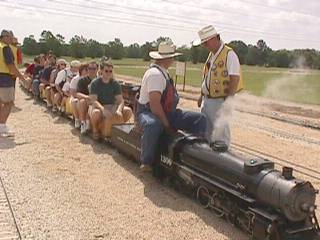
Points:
249	193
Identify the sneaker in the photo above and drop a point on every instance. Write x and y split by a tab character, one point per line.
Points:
54	109
2	128
145	168
63	109
83	128
77	123
49	105
6	131
88	124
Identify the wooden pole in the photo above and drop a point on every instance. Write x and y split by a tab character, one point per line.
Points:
184	76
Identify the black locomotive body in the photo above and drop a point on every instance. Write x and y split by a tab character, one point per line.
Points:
249	193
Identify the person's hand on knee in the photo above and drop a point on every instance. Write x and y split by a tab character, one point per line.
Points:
119	115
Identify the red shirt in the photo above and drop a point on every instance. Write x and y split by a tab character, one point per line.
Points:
30	69
19	56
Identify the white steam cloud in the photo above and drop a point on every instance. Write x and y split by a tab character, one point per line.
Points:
224	117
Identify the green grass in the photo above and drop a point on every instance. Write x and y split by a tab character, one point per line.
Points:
276	83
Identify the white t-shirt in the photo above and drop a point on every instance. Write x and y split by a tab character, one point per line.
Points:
233	67
152	81
64	76
74	82
66	87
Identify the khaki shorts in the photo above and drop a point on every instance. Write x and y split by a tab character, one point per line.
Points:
111	108
7	95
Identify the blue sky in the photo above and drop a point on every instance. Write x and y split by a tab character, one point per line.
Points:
281	23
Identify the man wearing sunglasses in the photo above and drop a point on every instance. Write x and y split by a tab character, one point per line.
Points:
107	103
8	69
82	94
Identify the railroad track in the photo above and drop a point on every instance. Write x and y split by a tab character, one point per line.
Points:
278	132
306	171
9	229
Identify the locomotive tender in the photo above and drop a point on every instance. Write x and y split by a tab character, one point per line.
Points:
250	193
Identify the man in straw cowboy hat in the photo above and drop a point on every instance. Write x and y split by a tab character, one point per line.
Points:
221	80
157	105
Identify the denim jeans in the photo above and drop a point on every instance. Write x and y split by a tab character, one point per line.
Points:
191	122
35	87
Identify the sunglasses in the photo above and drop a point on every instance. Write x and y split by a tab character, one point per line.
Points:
108	71
62	64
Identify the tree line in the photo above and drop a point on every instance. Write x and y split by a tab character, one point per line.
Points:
252	54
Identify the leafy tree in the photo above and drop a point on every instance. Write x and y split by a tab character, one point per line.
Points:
281	58
60	38
258	54
78	46
203	54
48	42
186	53
194	55
252	55
145	49
162	39
263	52
240	48
94	49
30	46
133	51
115	49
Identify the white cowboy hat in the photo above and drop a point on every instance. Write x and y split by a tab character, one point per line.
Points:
165	50
205	34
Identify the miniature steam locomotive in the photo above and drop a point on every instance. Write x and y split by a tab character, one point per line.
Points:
250	193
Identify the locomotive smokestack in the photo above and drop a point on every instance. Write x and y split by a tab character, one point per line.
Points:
287	173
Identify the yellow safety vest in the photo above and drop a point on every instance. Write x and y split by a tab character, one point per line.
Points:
14	50
219	79
3	66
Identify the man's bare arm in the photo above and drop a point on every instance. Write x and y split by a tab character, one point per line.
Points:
13	69
233	85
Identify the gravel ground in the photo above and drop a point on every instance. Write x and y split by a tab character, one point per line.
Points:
67	187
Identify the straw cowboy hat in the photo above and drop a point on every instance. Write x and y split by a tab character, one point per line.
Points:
165	50
205	34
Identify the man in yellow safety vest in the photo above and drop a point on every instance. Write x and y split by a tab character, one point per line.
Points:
221	80
8	69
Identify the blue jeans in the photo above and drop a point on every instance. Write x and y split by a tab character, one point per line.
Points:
191	122
35	87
